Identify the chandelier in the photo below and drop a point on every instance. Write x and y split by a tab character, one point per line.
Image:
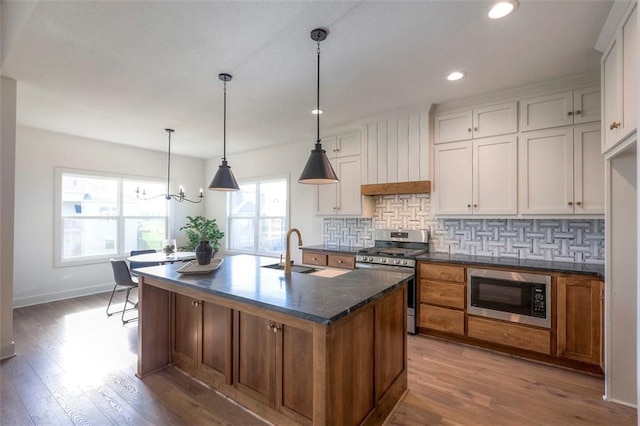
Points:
180	196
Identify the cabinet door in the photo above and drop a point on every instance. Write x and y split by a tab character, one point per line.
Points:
254	369
630	71
546	111
451	127
546	172
347	145
579	302
185	331
295	369
495	176
586	104
453	187
327	195
612	89
495	120
349	200
588	170
216	340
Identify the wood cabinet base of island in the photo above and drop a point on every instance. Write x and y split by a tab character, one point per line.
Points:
283	368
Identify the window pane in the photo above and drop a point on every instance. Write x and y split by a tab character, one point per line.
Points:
89	196
272	235
243	202
242	234
142	234
89	237
154	205
273	198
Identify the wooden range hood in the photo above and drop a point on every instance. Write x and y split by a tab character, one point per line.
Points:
415	187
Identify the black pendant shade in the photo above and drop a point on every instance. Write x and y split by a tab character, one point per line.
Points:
223	179
318	170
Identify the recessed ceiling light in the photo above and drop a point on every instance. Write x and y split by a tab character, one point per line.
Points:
317	111
456	75
502	9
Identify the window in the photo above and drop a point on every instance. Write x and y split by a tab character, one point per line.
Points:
98	216
258	216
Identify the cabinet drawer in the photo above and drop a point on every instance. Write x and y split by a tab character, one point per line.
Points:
442	272
513	335
442	319
313	258
341	261
440	293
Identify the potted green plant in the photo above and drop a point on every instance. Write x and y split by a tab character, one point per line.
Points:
199	229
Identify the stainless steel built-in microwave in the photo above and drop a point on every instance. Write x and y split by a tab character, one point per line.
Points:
510	296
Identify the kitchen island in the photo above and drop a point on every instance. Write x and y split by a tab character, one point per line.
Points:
298	348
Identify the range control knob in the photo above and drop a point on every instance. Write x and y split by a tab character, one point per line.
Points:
397	262
404	262
383	261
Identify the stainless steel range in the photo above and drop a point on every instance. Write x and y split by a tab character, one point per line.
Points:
397	250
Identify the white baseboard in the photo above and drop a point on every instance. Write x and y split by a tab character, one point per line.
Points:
617	401
21	302
7	351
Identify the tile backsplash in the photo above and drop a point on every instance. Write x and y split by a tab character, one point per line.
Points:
567	240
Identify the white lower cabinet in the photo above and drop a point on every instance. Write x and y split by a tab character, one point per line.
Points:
561	171
477	177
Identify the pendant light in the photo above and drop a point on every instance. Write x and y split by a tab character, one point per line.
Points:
224	180
318	169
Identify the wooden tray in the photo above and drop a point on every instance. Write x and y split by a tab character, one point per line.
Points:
194	268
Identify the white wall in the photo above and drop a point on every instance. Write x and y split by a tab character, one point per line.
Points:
8	95
277	161
38	153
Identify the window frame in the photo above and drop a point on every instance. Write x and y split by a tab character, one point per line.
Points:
256	217
59	261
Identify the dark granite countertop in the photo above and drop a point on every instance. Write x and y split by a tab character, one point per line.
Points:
547	265
334	248
314	298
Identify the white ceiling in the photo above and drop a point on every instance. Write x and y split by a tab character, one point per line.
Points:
122	71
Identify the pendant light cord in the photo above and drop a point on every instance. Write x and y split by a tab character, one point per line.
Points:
318	96
224	126
169	166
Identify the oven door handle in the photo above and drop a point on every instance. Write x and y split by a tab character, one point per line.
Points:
377	266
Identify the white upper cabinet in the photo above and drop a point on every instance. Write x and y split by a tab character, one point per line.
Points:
561	171
344	197
477	177
342	145
560	109
482	122
397	149
619	74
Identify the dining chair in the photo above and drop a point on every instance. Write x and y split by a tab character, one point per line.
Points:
135	265
123	280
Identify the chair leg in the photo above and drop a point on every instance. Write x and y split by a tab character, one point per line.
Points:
135	306
110	300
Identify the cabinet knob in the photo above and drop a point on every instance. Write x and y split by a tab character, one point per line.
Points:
468	205
505	334
195	303
570	113
614	125
340	261
337	149
570	203
475	205
578	112
578	203
469	130
314	258
475	129
272	327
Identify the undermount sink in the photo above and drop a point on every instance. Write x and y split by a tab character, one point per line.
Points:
294	268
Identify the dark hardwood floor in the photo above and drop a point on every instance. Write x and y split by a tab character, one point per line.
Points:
76	366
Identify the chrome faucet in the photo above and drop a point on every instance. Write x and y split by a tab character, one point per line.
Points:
287	260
